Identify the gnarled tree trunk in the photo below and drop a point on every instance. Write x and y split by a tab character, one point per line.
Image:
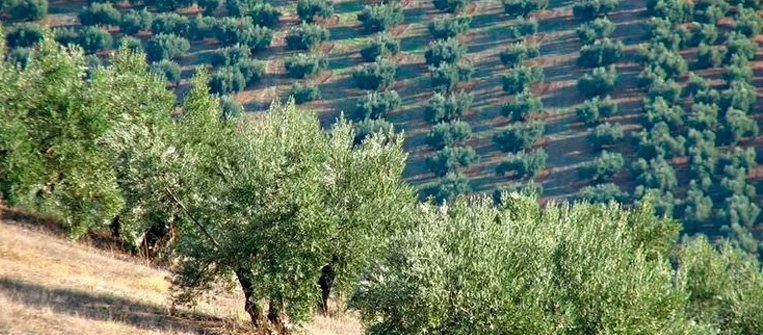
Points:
250	306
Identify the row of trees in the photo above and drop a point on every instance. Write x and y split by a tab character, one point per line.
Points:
524	161
294	214
449	70
599	52
718	194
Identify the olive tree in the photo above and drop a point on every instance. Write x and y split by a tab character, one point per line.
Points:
598	82
99	14
303	65
309	10
523	106
287	214
134	21
303	92
448	26
444	51
523	7
605	134
520	78
377	104
380	17
383	45
166	46
518	52
25	35
449	134
448	107
600	53
450	160
446	76
592	111
450	6
525	164
603	167
519	136
306	37
379	74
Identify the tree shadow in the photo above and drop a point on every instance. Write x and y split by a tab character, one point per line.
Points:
102	307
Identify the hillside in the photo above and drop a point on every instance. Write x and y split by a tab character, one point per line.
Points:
51	285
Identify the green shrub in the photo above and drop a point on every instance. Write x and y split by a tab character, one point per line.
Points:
518	52
229	55
382	45
605	134
92	39
708	56
445	77
740	45
251	69
209	6
748	22
655	174
589	9
598	82
20	57
99	14
230	31
168	5
451	186
168	69
450	6
602	194
134	21
450	160
166	46
264	14
377	104
129	42
739	95
309	10
25	35
29	10
600	53
448	26
449	134
306	37
593	110
447	108
603	167
523	7
201	27
303	65
231	108
380	17
520	78
377	75
170	23
304	92
519	136
524	105
367	127
444	51
524	164
227	80
597	29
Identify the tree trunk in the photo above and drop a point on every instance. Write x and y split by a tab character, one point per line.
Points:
250	306
326	281
274	314
116	227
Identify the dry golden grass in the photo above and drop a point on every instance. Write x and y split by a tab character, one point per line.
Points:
50	285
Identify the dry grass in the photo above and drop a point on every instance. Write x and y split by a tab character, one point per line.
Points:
50	285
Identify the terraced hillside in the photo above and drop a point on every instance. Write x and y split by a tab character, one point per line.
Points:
721	198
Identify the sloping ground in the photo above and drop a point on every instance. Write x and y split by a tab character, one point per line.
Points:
50	285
